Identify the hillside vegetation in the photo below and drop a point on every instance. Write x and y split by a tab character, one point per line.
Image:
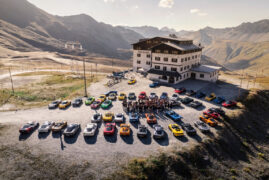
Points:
241	151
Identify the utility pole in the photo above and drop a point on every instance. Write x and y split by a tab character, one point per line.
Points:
112	63
11	80
85	84
96	70
91	72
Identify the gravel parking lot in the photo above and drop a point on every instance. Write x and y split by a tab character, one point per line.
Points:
103	149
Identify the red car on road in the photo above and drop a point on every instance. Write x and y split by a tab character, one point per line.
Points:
109	128
229	104
142	95
211	114
180	90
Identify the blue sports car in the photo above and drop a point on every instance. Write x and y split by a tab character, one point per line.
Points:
173	115
164	95
134	117
154	84
219	100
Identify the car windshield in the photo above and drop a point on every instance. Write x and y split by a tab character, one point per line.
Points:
44	126
151	116
108	114
125	129
131	94
122	94
89	99
96	116
119	115
58	124
142	129
106	102
65	102
26	126
172	113
70	128
109	128
159	131
213	120
133	115
176	128
54	102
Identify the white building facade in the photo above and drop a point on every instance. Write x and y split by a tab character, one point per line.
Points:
167	59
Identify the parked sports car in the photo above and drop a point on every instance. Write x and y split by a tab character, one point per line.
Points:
219	100
58	126
96	118
122	96
158	131
125	130
210	97
131	96
77	102
109	92
164	95
153	96
212	114
106	104
71	129
64	104
90	129
142	95
108	117
218	110
109	128
176	130
195	104
151	118
188	128
133	117
175	97
202	126
208	120
54	104
132	81
173	115
175	103
29	127
112	96
180	90
96	104
102	98
119	117
200	95
89	100
190	93
154	84
229	104
45	127
142	131
186	100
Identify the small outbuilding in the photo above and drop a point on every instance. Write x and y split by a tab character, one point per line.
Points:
205	72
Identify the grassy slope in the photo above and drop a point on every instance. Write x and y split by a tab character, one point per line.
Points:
240	151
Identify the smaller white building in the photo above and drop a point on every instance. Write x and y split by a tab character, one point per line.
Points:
205	72
73	45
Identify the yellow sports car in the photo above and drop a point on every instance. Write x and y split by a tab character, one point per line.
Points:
108	117
131	81
122	96
64	104
102	98
210	97
176	130
125	130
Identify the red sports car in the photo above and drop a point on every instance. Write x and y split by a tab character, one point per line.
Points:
142	95
211	114
96	104
180	90
229	104
109	128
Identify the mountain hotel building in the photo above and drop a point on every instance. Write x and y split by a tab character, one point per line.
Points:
171	60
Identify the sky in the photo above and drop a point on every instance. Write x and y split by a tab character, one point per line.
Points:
177	14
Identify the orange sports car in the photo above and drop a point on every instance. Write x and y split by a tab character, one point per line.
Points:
151	118
125	130
208	120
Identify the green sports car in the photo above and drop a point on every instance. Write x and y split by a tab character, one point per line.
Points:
89	100
106	104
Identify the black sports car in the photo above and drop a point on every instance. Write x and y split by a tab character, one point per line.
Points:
218	110
186	100
188	128
77	102
195	104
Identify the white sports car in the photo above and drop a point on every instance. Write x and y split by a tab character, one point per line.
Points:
90	129
45	127
96	118
119	117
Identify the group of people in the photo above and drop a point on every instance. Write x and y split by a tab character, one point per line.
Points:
142	105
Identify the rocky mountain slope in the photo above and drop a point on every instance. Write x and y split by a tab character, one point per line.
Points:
53	31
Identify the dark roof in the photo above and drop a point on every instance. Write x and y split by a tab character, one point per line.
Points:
180	46
164	73
163	37
206	68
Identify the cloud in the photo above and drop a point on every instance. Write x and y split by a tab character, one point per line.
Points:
166	3
198	12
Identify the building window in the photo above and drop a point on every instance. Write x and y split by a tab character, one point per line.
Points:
148	42
174	60
164	77
182	60
148	55
185	68
138	55
174	52
192	57
202	75
173	69
157	67
187	74
164	68
186	59
148	63
195	56
181	69
165	59
158	51
189	58
188	67
138	62
157	58
166	51
184	76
